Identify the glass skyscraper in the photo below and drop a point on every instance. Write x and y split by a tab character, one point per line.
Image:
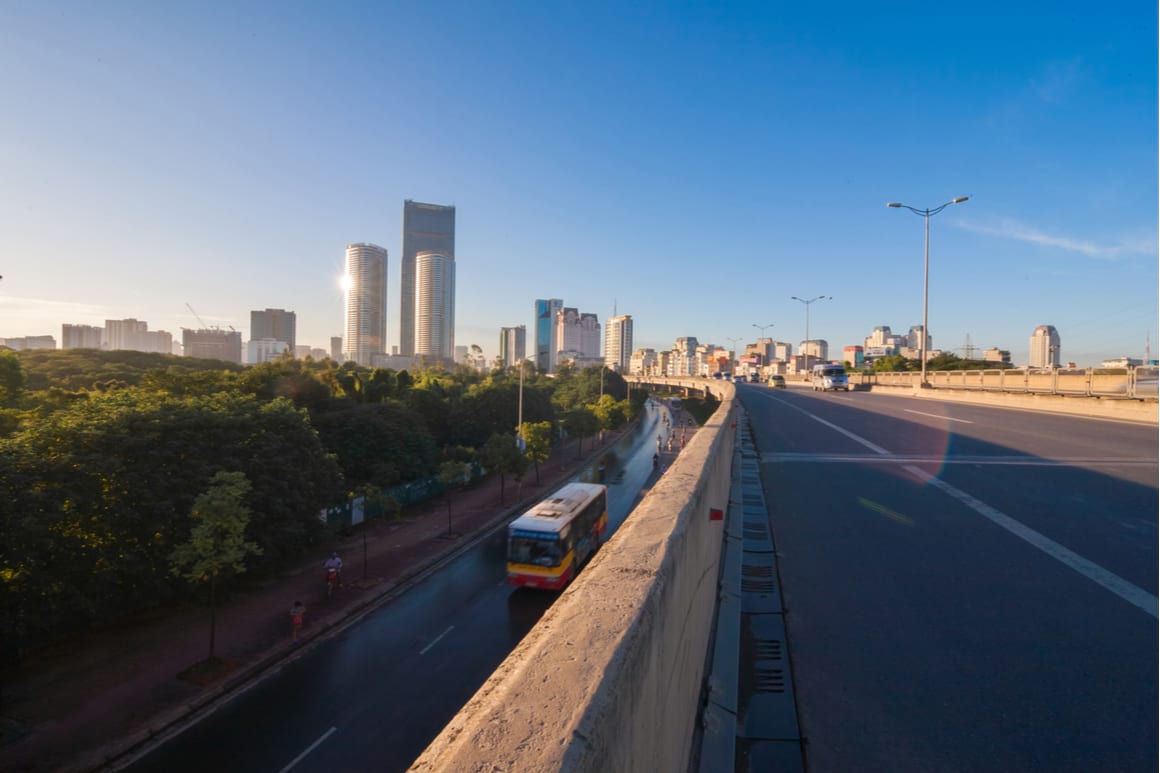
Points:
426	228
544	332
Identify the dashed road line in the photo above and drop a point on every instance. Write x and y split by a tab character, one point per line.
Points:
309	749
436	640
937	416
1108	580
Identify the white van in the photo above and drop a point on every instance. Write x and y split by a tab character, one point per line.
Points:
826	377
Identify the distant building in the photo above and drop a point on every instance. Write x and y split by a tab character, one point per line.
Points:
277	324
997	355
212	344
618	343
461	355
815	349
643	362
1122	362
879	338
434	337
853	355
317	353
683	359
426	228
259	350
1045	347
336	348
578	334
914	339
578	360
81	336
366	303
392	362
780	350
545	333
134	335
513	345
301	352
27	343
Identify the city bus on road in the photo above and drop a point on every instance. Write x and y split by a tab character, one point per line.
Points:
549	543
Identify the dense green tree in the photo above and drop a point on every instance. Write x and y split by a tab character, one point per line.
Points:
892	363
12	378
452	475
581	423
381	444
538	437
501	456
289	378
610	413
104	486
217	546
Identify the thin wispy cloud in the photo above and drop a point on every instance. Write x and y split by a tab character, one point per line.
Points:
25	316
1013	229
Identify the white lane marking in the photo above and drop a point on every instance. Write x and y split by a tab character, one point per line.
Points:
309	749
836	428
936	416
1094	572
1013	461
436	640
1108	580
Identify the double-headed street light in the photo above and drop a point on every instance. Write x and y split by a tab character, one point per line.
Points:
926	215
806	346
733	354
763	351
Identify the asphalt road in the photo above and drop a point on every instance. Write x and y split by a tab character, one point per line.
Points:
374	696
967	588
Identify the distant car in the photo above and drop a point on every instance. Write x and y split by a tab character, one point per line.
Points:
777	382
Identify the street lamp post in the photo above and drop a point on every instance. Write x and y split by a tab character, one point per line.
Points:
733	354
806	347
926	215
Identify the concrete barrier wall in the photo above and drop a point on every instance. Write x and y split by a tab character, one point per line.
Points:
1145	411
610	678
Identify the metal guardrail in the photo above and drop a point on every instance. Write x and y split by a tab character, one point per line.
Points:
1136	383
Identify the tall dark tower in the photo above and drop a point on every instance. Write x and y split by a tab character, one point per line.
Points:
426	228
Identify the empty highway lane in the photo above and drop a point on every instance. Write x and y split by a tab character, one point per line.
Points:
967	588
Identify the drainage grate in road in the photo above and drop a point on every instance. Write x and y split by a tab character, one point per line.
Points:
766	710
768	680
767	649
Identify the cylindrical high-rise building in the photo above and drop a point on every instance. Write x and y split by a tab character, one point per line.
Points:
1044	347
435	306
366	303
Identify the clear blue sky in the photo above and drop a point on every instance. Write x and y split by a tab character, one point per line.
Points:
697	165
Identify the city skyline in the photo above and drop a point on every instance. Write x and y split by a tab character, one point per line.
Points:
158	157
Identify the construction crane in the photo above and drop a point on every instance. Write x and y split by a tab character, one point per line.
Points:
200	321
215	328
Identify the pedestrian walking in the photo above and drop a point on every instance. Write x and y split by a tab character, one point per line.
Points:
297	613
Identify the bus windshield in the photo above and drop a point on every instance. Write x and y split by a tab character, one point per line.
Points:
543	551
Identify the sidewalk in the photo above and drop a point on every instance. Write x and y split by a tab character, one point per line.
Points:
83	703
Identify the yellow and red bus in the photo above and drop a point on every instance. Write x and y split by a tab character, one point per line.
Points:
548	544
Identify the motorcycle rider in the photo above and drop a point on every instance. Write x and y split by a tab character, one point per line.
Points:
335	563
